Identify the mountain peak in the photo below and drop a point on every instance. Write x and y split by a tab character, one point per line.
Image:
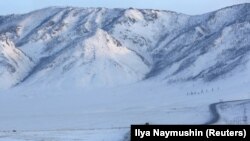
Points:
107	47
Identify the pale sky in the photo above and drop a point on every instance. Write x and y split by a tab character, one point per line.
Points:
191	7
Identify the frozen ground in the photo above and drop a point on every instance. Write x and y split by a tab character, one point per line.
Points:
232	112
79	135
107	113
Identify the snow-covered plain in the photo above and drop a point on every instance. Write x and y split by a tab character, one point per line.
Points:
106	114
64	135
89	73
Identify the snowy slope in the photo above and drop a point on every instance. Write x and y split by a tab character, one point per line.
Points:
89	73
14	64
108	47
99	60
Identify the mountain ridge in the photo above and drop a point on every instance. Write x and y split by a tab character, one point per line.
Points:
76	7
165	45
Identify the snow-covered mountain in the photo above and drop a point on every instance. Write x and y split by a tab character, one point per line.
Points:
89	73
109	47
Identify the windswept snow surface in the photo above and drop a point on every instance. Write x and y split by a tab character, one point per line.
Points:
234	112
76	111
89	73
66	135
